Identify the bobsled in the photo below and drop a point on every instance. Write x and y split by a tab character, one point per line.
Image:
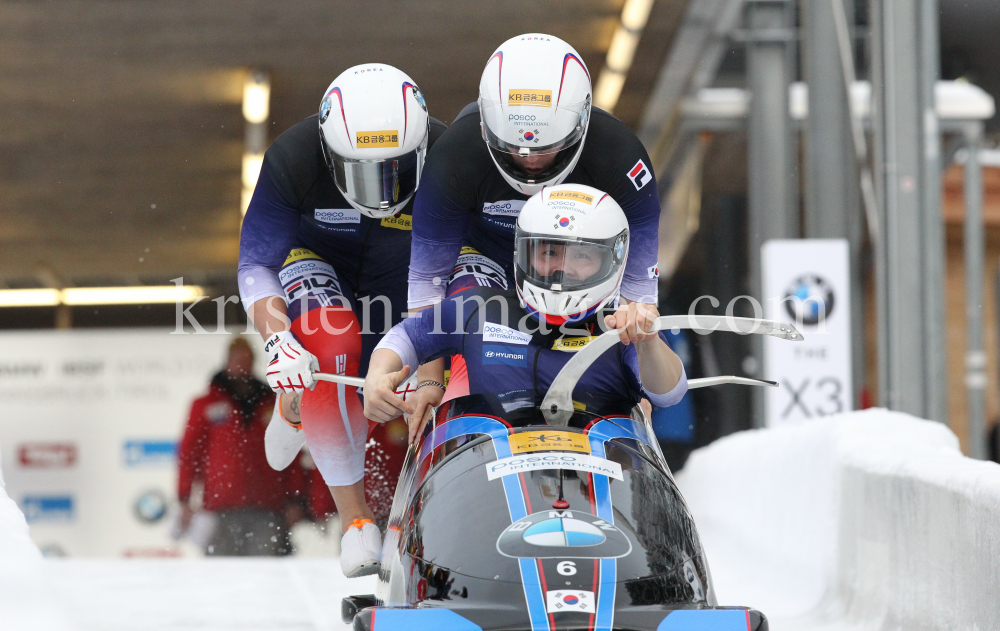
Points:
521	512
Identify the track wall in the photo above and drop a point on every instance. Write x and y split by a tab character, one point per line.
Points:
870	520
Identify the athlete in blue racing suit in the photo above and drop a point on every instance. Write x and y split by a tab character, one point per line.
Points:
511	348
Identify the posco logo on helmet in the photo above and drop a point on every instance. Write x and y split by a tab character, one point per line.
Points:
521	117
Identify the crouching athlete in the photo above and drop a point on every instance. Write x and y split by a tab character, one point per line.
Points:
324	253
567	260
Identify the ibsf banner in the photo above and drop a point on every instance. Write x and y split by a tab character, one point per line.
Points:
807	282
89	426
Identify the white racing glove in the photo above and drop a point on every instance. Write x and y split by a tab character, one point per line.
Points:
291	366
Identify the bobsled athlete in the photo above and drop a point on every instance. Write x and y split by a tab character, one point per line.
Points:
322	273
569	262
533	126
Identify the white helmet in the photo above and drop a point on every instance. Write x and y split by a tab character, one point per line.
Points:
373	130
570	248
534	104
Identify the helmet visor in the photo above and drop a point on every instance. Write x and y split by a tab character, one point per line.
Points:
379	186
533	142
566	264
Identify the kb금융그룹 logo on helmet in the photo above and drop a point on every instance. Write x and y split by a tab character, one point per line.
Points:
377	139
536	98
576	196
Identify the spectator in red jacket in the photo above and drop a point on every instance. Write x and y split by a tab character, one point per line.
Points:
223	449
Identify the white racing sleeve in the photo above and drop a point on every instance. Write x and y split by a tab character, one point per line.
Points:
256	283
399	342
673	397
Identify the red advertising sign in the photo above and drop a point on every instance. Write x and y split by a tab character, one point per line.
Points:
47	455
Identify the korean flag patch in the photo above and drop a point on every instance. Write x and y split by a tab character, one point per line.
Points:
640	175
570	600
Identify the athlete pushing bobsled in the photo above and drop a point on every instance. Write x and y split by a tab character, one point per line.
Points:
572	243
533	126
322	274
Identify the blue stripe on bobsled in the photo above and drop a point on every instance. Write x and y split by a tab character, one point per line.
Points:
534	596
461	426
706	620
608	575
421	620
608	570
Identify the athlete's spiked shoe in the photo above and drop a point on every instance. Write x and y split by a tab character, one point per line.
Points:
360	549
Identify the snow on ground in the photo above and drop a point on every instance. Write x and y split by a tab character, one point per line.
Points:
26	600
205	594
866	521
869	520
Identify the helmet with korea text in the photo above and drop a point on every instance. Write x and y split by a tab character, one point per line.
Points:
534	104
373	128
570	247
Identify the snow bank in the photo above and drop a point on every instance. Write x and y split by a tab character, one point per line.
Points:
869	520
25	594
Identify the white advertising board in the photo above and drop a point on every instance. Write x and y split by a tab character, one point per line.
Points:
89	423
807	282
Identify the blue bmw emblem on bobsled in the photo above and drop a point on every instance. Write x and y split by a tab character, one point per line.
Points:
563	534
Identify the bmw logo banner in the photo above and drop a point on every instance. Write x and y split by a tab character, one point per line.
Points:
807	282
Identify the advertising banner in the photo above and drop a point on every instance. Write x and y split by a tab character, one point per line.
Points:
89	426
807	282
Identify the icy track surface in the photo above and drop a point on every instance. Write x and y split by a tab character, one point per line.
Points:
867	521
204	595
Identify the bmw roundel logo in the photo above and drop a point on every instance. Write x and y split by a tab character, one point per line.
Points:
809	299
563	534
420	98
324	109
151	506
563	531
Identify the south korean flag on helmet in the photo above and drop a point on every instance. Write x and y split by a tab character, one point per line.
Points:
570	248
534	104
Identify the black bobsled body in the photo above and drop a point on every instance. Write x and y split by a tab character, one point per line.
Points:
504	523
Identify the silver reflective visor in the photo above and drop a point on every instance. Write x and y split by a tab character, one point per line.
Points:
380	187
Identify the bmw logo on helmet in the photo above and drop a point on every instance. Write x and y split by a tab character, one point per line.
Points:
420	98
324	109
809	300
620	249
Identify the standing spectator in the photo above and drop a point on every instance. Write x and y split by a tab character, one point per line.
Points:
223	449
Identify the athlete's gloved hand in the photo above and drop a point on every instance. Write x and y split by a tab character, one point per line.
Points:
291	366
